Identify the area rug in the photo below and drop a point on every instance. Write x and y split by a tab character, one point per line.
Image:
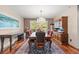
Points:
25	49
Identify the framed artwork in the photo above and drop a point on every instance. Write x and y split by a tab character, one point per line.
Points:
8	22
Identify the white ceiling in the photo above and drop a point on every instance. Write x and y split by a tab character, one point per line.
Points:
33	11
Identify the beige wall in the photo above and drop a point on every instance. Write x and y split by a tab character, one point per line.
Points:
78	22
9	12
71	12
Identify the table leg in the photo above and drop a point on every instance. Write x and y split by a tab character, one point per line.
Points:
29	47
2	44
10	43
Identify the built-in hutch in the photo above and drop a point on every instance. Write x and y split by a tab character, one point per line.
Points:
61	30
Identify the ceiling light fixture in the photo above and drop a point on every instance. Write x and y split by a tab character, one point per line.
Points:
41	18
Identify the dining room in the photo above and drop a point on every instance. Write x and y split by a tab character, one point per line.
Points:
38	29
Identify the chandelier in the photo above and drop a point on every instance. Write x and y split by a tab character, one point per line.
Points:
41	18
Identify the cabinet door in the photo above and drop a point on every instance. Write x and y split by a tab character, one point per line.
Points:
64	35
65	23
64	38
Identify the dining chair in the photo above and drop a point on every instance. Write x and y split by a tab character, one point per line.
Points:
40	39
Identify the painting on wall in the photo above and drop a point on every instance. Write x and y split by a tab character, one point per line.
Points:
8	22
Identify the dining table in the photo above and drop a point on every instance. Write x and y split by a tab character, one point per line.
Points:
32	38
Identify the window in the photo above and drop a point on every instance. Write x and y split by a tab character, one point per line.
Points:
42	25
33	25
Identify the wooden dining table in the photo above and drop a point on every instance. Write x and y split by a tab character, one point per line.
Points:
32	38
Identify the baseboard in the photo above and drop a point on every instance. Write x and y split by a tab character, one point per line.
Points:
73	47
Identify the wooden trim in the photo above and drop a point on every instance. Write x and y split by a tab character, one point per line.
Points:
73	47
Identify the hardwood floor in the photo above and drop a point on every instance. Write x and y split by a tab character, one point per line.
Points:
66	48
69	50
15	47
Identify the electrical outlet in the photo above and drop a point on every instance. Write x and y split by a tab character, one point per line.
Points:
70	40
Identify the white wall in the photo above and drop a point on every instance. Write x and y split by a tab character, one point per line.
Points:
9	12
71	12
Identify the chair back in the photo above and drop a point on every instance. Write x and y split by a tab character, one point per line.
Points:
40	36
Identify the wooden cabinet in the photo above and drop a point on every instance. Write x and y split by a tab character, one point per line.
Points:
62	38
64	20
64	35
57	37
